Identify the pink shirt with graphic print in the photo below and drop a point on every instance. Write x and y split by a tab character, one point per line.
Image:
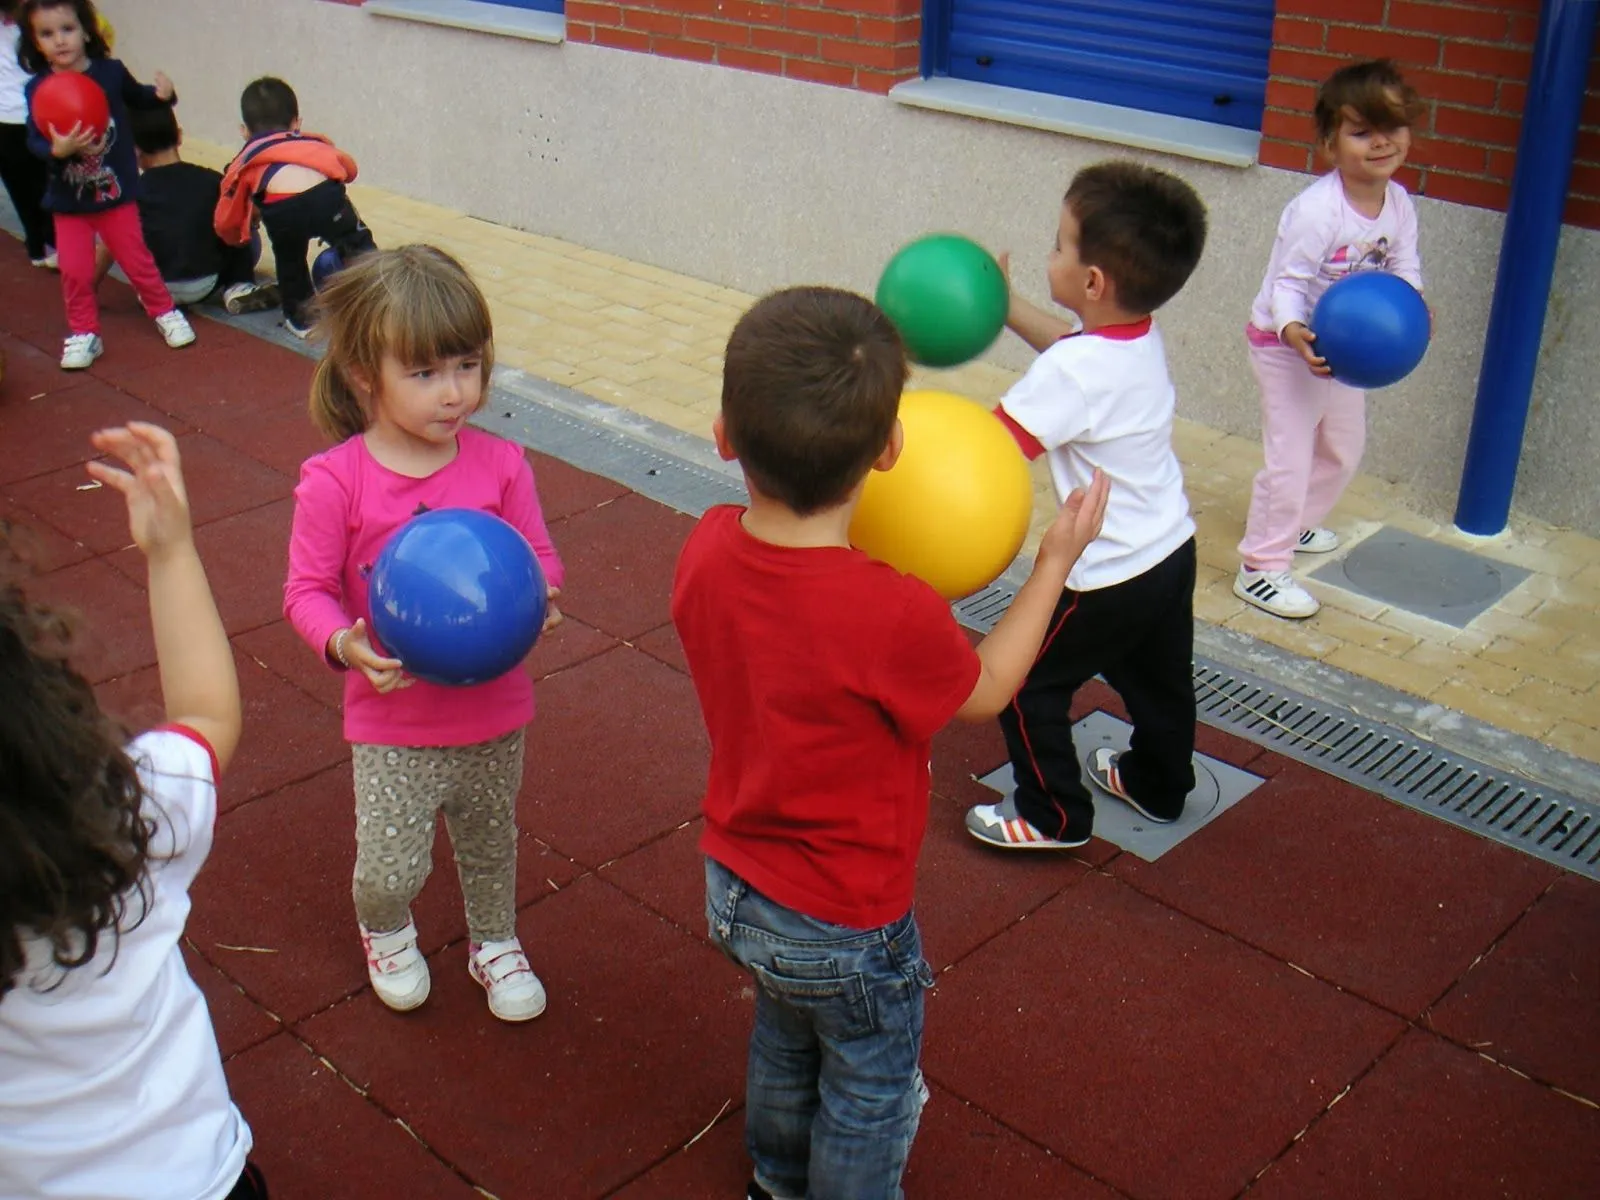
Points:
1321	239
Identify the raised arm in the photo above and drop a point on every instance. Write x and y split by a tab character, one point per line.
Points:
199	686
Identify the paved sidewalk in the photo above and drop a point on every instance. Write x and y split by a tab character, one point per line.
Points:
1319	994
651	341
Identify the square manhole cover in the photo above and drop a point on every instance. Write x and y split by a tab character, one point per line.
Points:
1217	788
1423	577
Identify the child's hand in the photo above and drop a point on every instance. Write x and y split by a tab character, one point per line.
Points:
74	142
1077	522
552	614
164	89
158	506
1299	338
356	650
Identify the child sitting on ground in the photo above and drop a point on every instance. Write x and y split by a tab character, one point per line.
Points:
110	1079
823	676
296	182
177	201
1099	398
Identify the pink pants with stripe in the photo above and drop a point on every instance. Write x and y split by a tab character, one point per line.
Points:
1313	431
120	230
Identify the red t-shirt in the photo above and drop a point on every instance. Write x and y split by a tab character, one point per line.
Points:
823	676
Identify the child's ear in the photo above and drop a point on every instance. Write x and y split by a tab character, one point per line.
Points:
294	125
891	452
244	131
1098	287
719	435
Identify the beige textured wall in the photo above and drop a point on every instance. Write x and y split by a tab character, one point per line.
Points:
756	182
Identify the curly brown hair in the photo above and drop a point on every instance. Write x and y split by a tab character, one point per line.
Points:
74	840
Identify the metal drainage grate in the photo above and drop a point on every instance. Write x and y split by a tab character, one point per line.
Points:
1378	758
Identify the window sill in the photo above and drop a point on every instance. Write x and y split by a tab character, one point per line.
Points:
1083	118
478	16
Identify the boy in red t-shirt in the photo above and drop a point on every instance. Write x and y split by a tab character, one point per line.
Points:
823	676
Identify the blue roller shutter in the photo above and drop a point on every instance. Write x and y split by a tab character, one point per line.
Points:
1205	59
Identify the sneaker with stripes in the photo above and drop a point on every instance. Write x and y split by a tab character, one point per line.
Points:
1275	592
999	825
515	993
1102	769
1317	541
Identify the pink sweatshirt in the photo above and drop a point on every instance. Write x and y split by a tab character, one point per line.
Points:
1321	239
345	509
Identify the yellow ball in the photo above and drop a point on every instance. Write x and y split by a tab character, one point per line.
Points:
954	510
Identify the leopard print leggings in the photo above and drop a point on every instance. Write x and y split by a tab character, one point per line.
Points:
399	792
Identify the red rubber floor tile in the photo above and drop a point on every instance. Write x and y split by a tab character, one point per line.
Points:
616	756
278	648
287	735
316	1137
229	377
662	643
1534	1001
239	1022
220	482
114	634
565	646
1372	896
668	876
46	549
279	878
1433	1120
30	373
633	1002
246	557
967	893
715	1166
1161	1057
620	560
52	432
960	1154
565	490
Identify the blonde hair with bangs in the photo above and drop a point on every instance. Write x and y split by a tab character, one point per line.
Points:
415	303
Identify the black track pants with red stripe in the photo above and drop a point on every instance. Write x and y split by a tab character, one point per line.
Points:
1139	636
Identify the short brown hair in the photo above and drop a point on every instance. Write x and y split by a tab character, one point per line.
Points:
810	391
1145	229
1373	93
416	303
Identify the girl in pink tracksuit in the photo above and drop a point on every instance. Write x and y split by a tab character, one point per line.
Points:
1355	218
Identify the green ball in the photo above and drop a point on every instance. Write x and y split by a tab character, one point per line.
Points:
947	296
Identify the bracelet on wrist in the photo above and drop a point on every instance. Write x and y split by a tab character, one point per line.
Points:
338	648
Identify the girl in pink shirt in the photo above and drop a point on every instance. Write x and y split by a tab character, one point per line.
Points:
410	349
1314	429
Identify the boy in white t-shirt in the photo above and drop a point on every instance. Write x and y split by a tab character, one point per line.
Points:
1099	397
111	1086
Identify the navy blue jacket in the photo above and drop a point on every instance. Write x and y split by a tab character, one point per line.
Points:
90	183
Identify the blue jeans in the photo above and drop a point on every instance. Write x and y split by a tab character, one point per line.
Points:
833	1092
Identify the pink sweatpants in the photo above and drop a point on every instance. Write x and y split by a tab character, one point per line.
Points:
120	230
1313	431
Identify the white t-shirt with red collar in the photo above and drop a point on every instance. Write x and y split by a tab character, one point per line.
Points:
1104	399
111	1084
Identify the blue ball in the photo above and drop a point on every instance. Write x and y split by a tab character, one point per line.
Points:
325	266
1372	327
457	596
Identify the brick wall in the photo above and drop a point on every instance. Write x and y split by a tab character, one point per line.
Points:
867	44
1470	59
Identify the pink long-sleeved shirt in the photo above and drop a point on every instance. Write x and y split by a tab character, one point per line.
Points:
1321	239
347	506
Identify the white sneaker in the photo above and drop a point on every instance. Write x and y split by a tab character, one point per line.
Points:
396	967
175	328
515	993
1275	592
49	262
1317	541
80	351
249	297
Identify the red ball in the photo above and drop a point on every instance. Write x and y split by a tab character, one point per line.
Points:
67	98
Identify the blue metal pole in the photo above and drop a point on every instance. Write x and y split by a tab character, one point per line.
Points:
1527	262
